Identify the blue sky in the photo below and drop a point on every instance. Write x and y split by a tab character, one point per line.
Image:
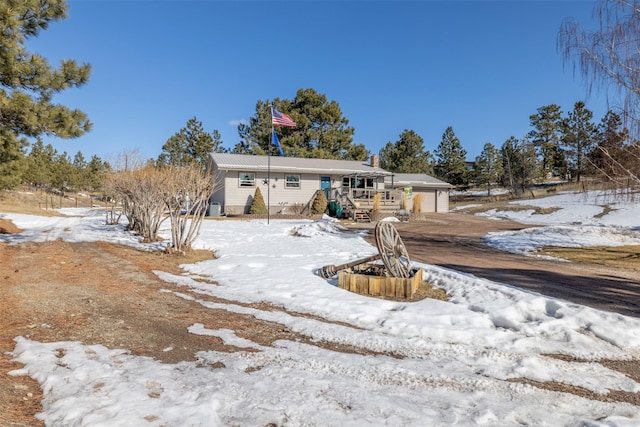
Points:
482	67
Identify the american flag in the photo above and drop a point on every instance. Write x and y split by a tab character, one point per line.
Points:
280	119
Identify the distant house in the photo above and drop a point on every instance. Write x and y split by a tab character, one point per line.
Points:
289	184
435	193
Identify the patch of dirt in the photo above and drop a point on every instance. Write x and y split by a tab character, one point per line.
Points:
611	396
101	293
626	367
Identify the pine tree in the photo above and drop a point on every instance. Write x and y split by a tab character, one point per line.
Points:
407	155
62	171
578	138
190	145
532	170
12	161
451	163
548	126
520	164
488	166
28	82
511	163
258	207
77	179
39	164
321	132
96	172
610	145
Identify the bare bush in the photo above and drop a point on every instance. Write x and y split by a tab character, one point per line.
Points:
186	195
149	195
140	192
113	215
295	209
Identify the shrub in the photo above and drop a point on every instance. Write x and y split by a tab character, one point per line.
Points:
417	203
257	204
319	205
376	202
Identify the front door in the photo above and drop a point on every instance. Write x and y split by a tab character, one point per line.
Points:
325	184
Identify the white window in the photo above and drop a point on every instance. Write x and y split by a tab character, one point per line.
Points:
292	181
357	182
247	179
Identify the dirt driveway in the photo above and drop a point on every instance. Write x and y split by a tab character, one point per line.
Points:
454	241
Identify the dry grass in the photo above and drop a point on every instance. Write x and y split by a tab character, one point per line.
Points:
8	227
376	202
426	290
417	203
40	202
611	256
507	208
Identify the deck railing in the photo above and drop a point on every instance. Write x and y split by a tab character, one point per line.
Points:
366	195
354	199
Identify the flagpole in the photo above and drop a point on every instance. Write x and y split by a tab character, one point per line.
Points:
280	120
269	169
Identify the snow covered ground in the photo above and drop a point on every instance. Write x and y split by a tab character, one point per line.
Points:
575	219
456	356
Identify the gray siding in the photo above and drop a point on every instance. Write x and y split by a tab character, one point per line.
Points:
236	199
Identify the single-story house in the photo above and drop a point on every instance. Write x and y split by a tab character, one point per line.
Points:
435	193
289	184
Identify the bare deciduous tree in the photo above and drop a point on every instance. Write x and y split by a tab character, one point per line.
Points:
609	57
618	172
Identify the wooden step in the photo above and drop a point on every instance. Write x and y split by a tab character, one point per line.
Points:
362	216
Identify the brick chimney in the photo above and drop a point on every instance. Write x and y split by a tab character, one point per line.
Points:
375	161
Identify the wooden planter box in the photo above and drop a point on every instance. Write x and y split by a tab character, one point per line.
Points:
380	285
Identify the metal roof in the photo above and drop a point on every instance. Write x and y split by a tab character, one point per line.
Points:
244	162
416	180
